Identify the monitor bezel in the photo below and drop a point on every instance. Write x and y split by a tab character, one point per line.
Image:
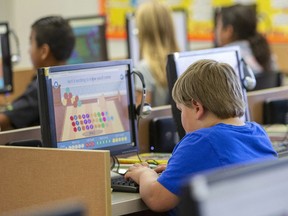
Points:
133	52
103	32
6	60
45	97
172	76
194	201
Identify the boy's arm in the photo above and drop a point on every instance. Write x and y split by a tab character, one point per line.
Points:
156	197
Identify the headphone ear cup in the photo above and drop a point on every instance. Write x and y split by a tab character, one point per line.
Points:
249	83
146	110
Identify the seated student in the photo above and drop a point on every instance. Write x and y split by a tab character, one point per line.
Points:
237	26
51	43
216	134
157	39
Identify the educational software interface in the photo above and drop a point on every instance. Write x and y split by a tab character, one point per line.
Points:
91	108
88	46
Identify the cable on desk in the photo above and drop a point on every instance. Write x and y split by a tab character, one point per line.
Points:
118	164
149	161
140	160
113	163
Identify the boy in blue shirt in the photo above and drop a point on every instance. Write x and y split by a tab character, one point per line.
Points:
210	99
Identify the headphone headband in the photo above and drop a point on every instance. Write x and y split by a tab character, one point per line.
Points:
249	80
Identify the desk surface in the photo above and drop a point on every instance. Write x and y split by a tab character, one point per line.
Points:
126	203
29	133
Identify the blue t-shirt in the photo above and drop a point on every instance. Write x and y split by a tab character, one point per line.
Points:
214	147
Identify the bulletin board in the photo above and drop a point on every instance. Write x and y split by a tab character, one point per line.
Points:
273	16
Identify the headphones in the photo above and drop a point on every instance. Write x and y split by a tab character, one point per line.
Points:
249	81
144	109
15	58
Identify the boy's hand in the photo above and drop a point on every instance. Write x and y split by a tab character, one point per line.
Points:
160	168
135	171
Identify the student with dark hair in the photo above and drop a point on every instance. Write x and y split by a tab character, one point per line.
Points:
216	135
237	26
51	44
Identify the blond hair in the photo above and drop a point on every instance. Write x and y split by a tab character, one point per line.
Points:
215	85
156	37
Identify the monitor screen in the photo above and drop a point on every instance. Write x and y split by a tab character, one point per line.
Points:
180	23
91	44
88	106
258	189
179	62
6	81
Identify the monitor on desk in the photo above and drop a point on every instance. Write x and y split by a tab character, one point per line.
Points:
90	34
180	23
179	62
257	189
6	81
89	106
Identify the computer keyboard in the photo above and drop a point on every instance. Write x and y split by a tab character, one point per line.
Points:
120	184
281	148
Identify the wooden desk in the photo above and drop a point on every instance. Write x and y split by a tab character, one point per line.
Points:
28	133
127	203
131	204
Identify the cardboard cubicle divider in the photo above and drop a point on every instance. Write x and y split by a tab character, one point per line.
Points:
256	100
35	176
143	131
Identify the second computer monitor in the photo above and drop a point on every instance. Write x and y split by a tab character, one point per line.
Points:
180	61
6	81
91	43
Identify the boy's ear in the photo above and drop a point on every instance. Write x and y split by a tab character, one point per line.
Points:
45	50
199	109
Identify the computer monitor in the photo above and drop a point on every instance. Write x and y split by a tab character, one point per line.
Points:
88	106
6	78
178	62
180	23
90	34
258	189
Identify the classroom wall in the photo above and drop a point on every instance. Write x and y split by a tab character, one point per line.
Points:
21	14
